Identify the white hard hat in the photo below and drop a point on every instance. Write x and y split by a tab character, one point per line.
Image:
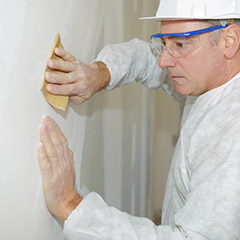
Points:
197	9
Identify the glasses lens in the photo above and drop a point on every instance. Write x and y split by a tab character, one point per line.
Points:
177	46
181	47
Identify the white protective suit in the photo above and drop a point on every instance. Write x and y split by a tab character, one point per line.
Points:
202	199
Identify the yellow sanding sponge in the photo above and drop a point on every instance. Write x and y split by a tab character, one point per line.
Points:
57	101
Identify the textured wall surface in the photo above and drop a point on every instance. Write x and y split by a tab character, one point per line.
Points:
111	135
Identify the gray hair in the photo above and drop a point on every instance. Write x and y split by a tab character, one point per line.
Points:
216	34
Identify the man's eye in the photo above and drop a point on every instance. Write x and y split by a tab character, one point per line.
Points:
163	43
180	44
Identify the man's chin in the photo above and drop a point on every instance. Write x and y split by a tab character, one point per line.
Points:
180	90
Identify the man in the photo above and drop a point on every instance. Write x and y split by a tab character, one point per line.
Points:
202	199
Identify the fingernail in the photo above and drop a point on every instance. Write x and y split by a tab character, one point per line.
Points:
50	88
46	119
51	63
44	116
56	50
49	75
40	146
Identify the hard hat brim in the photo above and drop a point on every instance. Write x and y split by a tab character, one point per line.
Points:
179	18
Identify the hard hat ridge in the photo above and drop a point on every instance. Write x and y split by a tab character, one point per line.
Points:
197	9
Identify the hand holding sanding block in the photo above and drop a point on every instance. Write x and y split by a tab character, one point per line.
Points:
57	101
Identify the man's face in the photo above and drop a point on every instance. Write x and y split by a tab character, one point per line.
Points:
199	71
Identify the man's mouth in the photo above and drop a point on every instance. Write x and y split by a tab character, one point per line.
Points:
175	77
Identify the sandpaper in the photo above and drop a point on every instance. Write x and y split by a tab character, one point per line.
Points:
57	101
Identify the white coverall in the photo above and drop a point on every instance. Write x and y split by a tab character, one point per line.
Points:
202	199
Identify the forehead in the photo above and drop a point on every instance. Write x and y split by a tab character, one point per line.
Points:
182	26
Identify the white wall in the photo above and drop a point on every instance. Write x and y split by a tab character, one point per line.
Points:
111	135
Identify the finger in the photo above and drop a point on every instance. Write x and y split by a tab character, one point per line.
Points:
61	78
63	141
78	88
47	143
63	66
56	143
77	99
61	136
49	147
42	158
64	54
68	155
65	90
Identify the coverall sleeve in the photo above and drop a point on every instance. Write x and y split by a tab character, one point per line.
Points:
135	60
93	219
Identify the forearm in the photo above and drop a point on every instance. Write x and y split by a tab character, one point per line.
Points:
132	61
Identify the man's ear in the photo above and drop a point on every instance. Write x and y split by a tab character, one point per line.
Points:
232	40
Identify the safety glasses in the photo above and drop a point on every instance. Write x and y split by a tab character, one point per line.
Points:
180	44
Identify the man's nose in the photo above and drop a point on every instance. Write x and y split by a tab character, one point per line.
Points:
166	60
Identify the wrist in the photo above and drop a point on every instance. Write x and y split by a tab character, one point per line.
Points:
102	72
69	207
